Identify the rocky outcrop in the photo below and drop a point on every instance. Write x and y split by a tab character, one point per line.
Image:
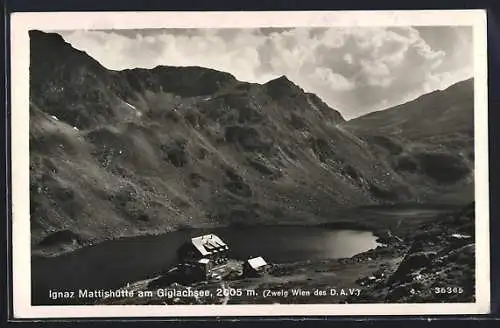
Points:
133	152
438	265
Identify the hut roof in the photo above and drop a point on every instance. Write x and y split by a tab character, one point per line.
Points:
209	244
256	262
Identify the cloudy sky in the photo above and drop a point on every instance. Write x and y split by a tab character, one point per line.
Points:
355	70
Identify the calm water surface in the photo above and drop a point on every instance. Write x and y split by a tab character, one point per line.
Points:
112	264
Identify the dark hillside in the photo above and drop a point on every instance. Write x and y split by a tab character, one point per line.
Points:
134	152
428	141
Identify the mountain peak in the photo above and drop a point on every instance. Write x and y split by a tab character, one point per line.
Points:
48	50
192	80
209	144
194	69
282	80
433	114
46	36
461	86
282	87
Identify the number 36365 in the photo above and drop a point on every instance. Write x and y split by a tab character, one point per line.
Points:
448	290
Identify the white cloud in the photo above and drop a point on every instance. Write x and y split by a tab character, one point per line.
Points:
352	69
336	82
349	59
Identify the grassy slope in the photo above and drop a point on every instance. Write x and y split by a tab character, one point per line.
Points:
428	141
146	151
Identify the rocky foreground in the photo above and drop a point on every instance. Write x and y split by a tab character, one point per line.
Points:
429	262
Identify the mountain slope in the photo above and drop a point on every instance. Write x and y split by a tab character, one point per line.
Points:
431	117
133	152
428	141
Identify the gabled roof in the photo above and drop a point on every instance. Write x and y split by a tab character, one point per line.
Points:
209	244
256	262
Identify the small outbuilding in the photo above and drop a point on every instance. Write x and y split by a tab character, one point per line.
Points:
255	267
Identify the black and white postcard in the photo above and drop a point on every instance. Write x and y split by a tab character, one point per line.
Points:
180	164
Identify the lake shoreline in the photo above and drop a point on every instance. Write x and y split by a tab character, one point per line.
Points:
406	271
395	245
348	221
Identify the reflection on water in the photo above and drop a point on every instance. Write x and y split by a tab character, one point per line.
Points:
114	263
